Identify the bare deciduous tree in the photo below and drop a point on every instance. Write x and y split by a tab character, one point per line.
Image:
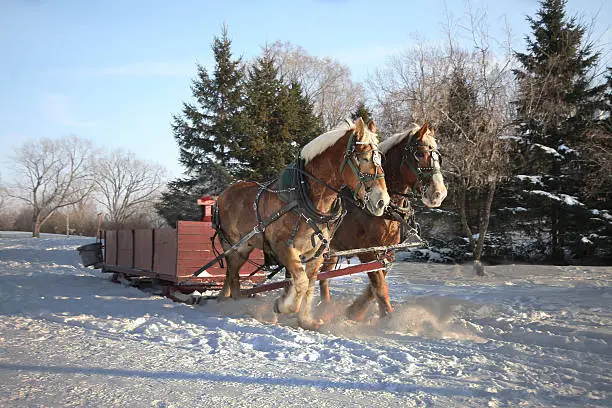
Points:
325	81
466	94
126	185
477	113
411	87
7	217
52	174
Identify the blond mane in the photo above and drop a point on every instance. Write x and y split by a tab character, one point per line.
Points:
397	138
321	143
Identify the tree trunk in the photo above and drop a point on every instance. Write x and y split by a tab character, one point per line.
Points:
484	225
463	215
556	234
36	226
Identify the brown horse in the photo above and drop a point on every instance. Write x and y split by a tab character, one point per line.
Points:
412	162
294	221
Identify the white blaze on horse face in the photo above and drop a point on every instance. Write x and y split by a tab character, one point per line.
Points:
436	191
377	199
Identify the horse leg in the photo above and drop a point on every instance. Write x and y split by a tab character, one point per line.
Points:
291	299
377	289
324	290
380	289
324	284
357	310
231	283
304	315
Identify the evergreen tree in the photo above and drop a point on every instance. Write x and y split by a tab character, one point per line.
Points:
180	201
555	107
210	129
279	119
208	134
362	112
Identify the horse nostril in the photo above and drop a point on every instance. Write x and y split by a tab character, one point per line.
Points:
437	195
380	204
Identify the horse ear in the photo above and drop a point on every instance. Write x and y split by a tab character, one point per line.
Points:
372	126
359	127
423	131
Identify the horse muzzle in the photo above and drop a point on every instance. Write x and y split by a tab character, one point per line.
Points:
435	193
376	201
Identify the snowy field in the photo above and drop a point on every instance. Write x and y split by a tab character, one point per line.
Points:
521	336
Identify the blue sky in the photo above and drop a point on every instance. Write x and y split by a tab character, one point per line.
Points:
115	71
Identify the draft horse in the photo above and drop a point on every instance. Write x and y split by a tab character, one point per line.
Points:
293	218
412	162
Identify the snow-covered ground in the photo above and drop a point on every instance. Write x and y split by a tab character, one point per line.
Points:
522	336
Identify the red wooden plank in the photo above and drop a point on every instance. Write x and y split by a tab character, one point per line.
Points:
143	249
195	246
194	227
188	270
110	247
200	241
196	236
191	263
164	253
126	249
190	232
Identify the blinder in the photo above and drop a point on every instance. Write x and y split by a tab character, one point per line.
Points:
417	151
351	158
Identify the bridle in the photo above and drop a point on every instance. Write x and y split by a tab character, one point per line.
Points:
424	174
364	179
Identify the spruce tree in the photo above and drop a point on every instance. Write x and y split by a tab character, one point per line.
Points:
278	119
208	133
180	201
362	112
209	130
555	107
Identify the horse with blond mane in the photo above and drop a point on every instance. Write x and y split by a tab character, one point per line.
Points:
293	218
412	163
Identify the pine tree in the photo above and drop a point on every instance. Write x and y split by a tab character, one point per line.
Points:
555	107
362	112
180	201
208	134
279	119
209	130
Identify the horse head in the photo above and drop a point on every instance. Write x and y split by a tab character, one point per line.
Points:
423	160
361	168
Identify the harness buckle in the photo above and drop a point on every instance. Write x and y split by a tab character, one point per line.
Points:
259	228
